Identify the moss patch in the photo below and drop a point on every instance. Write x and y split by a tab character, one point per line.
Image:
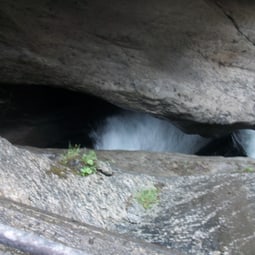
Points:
61	172
147	197
249	170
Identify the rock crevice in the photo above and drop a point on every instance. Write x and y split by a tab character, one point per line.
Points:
231	18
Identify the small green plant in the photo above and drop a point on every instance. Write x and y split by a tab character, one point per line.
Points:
72	153
248	170
84	164
147	197
89	163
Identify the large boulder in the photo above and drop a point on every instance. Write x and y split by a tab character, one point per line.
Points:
182	60
203	205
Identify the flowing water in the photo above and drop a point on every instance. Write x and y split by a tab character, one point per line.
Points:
67	118
246	138
137	131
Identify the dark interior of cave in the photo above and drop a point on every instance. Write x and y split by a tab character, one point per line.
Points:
48	117
43	116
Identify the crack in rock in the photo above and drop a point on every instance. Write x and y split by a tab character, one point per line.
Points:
233	21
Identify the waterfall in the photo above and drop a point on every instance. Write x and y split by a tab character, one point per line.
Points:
137	131
246	139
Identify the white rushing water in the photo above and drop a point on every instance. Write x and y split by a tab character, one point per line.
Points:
246	138
136	131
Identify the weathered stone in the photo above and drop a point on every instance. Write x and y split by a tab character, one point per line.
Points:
204	205
104	168
183	60
60	235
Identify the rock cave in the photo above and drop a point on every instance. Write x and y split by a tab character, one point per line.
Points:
48	117
44	117
162	93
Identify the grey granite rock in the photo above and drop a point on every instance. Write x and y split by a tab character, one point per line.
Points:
203	205
183	60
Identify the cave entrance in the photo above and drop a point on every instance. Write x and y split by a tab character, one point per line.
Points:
42	116
49	117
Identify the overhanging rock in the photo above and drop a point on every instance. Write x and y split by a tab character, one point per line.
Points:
183	60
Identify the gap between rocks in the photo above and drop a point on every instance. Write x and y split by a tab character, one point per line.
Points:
42	116
50	117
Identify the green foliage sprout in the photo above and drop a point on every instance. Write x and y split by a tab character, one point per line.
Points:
147	197
85	164
72	153
89	162
248	170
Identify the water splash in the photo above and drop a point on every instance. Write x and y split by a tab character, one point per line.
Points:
246	139
136	131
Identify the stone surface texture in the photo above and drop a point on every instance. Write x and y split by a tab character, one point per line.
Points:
204	205
185	60
189	61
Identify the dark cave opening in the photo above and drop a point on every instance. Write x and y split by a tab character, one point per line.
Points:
42	116
50	117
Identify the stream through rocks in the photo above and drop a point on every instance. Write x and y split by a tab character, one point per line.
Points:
49	117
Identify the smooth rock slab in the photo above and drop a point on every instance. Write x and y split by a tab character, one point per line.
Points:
204	205
47	234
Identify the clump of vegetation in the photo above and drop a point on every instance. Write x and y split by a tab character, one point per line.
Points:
147	197
72	153
89	162
85	164
249	170
60	171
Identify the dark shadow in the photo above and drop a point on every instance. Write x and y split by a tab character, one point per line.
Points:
224	146
43	116
48	117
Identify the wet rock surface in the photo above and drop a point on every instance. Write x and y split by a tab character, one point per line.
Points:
188	61
203	205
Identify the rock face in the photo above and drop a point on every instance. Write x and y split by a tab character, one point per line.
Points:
184	60
189	61
203	205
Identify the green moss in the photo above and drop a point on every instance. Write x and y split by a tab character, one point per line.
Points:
59	171
249	170
147	197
